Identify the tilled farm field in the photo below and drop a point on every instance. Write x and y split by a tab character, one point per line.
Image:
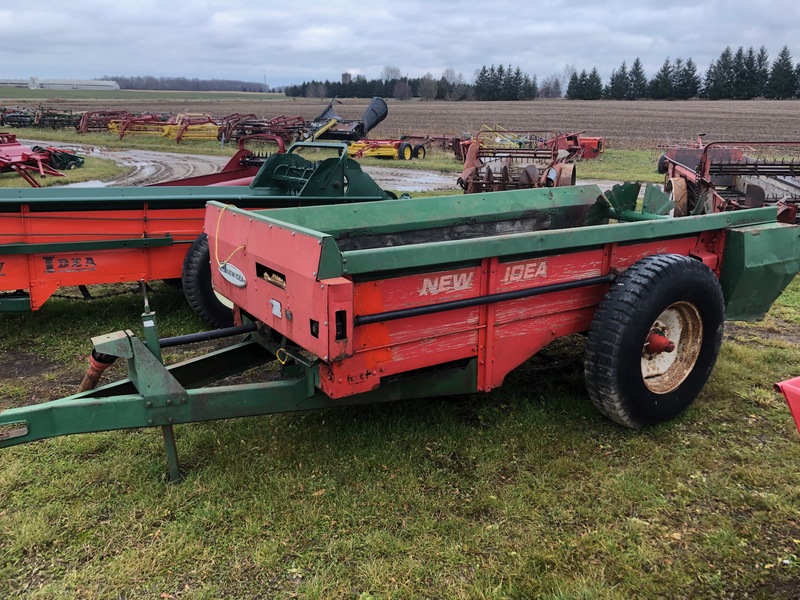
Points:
626	125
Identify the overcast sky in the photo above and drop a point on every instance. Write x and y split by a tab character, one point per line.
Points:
298	40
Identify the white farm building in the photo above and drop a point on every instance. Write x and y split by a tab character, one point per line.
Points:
35	83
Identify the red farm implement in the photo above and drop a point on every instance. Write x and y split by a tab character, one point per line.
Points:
724	176
29	162
289	129
404	299
53	238
97	121
498	160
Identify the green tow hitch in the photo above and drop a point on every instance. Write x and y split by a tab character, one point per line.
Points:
155	395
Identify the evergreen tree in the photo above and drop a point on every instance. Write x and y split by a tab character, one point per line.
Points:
762	72
611	80
708	80
512	86
496	76
720	81
746	83
482	84
739	87
529	88
675	78
443	89
593	88
573	87
781	83
726	73
618	84
661	84
797	79
637	81
687	81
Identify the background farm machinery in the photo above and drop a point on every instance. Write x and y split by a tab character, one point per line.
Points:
505	160
724	176
42	117
28	162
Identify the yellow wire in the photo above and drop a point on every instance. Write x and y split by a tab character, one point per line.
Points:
216	240
285	356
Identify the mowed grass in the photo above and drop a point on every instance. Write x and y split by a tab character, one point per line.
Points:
525	492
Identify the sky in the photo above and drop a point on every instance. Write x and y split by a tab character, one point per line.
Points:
289	42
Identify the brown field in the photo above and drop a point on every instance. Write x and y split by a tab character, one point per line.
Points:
626	125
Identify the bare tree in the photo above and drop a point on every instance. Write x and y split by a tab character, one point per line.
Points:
390	72
452	77
316	89
569	71
428	87
402	91
550	87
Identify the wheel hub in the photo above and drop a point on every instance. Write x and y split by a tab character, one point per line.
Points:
672	347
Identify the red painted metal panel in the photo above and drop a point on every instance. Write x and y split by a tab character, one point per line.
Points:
45	272
791	391
280	288
500	334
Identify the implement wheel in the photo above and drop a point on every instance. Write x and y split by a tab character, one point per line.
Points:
196	278
679	194
419	151
654	340
404	151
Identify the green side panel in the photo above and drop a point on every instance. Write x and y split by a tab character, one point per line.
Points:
759	262
535	242
431	213
15	303
88	246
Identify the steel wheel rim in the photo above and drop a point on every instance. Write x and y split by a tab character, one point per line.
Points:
664	372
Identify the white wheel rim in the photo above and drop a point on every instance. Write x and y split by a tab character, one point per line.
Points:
681	324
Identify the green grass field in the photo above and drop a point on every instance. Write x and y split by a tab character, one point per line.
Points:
525	492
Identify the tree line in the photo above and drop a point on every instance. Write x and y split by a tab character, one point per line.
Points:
742	75
148	82
739	75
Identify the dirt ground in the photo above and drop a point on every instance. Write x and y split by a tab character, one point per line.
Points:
641	124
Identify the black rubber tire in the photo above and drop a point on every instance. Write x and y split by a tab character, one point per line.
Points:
613	362
419	151
196	278
661	165
404	151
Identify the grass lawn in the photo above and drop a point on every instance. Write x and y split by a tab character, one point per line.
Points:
525	492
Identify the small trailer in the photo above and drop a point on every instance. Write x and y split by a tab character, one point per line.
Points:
400	299
391	149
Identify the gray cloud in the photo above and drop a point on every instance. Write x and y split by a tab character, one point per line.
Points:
289	42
